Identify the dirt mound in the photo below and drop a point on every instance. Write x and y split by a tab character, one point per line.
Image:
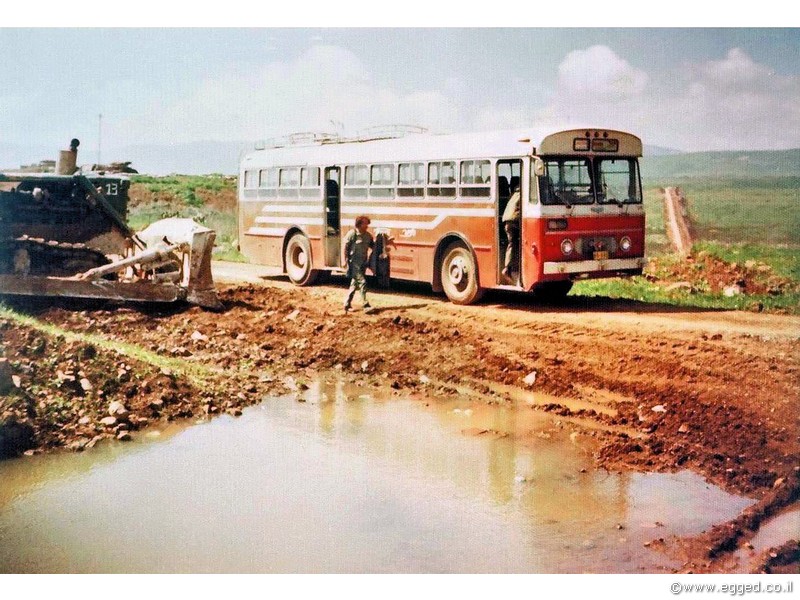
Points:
703	272
71	393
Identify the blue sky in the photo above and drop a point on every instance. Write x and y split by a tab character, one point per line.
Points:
691	89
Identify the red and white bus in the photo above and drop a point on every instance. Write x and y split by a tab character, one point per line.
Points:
442	197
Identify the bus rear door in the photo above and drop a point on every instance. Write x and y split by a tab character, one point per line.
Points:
333	225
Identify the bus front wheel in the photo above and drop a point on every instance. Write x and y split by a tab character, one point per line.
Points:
298	260
459	275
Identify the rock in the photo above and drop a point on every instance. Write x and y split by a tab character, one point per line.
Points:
732	290
108	421
6	381
16	380
678	285
530	378
683	428
778	482
124	436
15	438
198	337
84	421
86	385
118	410
292	315
365	365
659	408
424	379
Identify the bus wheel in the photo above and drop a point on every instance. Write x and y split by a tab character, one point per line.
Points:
459	276
553	290
298	260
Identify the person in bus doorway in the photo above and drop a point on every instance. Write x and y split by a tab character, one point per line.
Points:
357	245
511	216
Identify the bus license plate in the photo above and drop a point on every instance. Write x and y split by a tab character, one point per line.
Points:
601	255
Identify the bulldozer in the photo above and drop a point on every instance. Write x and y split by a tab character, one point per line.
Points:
65	234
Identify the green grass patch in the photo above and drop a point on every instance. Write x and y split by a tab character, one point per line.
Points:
641	290
763	210
180	196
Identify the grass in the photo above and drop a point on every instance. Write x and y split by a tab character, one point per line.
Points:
642	290
738	221
764	210
185	196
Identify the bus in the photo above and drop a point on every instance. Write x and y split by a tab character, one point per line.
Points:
442	197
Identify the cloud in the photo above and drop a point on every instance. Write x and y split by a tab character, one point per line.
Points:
323	84
728	103
736	103
597	73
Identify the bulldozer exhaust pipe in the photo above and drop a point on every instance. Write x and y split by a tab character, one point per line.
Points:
68	159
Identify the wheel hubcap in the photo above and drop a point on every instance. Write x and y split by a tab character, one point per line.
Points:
458	271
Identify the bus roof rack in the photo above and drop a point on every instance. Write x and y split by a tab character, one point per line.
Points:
315	138
383	132
300	138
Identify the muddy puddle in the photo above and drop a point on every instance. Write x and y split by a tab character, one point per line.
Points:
348	481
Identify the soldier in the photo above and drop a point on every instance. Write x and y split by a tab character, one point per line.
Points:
357	244
511	225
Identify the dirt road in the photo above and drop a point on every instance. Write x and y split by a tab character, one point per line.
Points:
659	388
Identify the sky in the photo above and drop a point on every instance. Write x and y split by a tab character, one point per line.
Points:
692	89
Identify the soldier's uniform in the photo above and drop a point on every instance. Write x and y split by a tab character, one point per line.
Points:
356	250
511	225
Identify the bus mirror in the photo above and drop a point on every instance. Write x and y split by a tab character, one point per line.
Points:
538	168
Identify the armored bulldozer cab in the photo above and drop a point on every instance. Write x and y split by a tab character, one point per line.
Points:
66	236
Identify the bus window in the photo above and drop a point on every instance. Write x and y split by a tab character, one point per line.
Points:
288	182
475	178
268	178
309	177
309	182
250	179
381	181
569	182
355	181
442	179
412	179
289	178
619	181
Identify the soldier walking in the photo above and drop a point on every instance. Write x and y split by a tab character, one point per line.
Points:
357	244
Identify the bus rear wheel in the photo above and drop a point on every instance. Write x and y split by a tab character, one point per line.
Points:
459	275
297	257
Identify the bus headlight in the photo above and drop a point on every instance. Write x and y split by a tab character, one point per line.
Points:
567	247
625	244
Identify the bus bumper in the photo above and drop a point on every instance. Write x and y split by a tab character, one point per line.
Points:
593	266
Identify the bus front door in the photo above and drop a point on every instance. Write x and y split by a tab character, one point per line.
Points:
333	224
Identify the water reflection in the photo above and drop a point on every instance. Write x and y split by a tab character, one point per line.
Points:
348	481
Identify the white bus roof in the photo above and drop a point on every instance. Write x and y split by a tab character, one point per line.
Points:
412	147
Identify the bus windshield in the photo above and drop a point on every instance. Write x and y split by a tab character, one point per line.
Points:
619	181
570	181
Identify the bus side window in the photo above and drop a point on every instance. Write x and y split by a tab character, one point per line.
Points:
355	181
411	180
441	179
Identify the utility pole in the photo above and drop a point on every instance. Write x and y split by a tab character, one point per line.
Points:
99	136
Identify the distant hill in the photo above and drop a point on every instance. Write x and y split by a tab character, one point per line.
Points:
726	165
201	158
659	151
